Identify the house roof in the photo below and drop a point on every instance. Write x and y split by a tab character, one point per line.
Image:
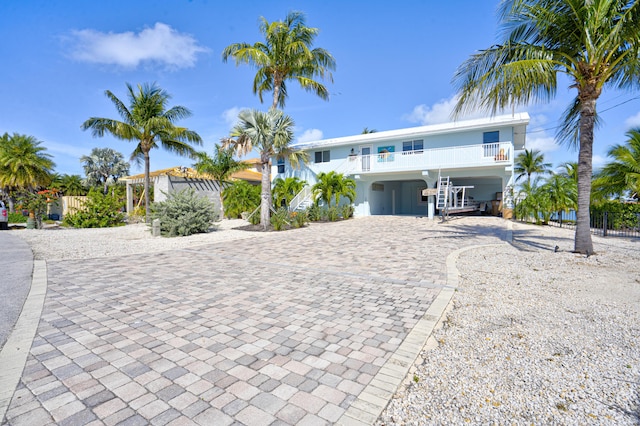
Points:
516	120
188	172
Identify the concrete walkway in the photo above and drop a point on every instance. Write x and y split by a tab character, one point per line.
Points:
312	326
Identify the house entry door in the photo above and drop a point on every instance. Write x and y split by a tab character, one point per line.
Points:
365	153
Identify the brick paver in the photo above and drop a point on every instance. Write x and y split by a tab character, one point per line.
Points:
286	328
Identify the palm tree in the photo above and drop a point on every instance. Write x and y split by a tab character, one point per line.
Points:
148	122
70	184
367	130
621	175
533	202
24	165
104	166
284	190
271	134
286	54
530	162
334	185
220	167
595	43
562	192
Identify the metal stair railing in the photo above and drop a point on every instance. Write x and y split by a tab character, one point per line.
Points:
301	197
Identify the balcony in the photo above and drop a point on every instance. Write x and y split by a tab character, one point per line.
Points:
482	155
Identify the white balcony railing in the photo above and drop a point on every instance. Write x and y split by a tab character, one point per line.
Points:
488	154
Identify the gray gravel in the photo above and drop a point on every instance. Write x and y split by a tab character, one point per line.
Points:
534	337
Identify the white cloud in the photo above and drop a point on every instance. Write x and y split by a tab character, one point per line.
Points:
310	135
633	121
598	161
159	44
230	116
542	143
440	112
67	149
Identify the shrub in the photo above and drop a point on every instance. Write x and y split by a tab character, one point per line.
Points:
280	219
314	213
239	197
346	211
17	217
332	214
621	215
184	213
99	211
299	219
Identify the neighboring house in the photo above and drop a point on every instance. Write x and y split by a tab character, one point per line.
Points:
393	168
173	179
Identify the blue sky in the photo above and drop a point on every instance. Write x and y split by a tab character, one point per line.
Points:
394	60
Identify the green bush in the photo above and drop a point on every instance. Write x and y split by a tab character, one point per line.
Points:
239	197
314	213
280	219
332	214
17	217
621	215
99	211
299	219
346	211
184	213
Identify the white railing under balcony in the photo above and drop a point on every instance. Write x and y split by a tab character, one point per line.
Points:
488	154
301	198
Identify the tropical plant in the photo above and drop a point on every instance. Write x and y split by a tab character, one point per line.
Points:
24	165
346	211
69	184
280	219
36	204
367	130
271	134
621	176
533	202
299	219
529	162
184	213
99	211
595	43
284	190
148	122
104	166
220	167
240	197
562	193
333	186
285	54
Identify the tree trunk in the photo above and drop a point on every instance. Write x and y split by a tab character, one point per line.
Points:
221	201
583	243
265	202
147	178
277	82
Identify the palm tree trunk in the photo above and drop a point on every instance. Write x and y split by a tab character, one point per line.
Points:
147	178
221	201
583	243
265	203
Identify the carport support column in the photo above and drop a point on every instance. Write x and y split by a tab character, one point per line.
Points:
129	198
432	207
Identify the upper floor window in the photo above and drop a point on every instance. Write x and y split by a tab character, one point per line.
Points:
280	165
491	137
322	156
415	146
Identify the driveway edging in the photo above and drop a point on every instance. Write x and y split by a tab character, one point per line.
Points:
13	356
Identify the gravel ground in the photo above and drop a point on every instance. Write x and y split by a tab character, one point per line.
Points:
70	243
534	336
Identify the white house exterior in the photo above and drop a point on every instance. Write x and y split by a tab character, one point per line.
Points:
392	168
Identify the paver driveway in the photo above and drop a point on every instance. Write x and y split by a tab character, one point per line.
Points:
287	328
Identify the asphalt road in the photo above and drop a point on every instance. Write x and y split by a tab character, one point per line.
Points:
16	267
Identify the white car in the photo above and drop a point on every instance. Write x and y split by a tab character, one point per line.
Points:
4	217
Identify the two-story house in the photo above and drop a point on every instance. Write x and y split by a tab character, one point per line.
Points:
393	168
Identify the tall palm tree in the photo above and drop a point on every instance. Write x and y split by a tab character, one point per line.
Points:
595	43
104	166
284	190
621	176
530	162
271	134
148	122
24	165
220	167
285	54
